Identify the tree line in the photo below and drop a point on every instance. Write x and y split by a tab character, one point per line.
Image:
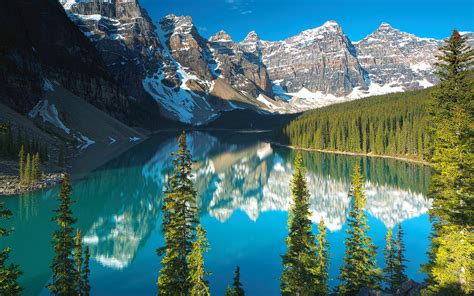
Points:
11	144
30	167
393	124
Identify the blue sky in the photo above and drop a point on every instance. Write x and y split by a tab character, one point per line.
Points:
279	19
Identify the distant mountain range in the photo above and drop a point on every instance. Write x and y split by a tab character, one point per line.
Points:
110	54
194	79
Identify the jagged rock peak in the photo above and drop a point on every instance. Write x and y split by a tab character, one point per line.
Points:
331	24
385	26
177	24
220	36
251	37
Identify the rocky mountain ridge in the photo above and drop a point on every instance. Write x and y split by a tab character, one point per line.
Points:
193	79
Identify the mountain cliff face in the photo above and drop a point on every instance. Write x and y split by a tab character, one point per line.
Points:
193	79
398	60
30	53
321	59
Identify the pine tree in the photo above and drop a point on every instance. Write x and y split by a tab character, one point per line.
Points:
63	281
78	262
9	274
27	172
229	291
390	253
179	225
452	135
299	263
237	285
452	183
85	273
322	259
197	272
36	168
360	267
399	268
21	158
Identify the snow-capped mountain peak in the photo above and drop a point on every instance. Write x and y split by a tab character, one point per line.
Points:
194	79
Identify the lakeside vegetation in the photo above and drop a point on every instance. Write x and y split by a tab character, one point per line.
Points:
393	125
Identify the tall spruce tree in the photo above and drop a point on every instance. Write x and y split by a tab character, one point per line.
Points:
36	168
27	171
86	273
63	282
197	271
322	259
399	270
237	285
452	183
9	273
299	263
390	253
179	225
359	268
78	259
452	131
21	159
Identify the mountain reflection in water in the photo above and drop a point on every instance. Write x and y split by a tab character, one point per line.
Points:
118	206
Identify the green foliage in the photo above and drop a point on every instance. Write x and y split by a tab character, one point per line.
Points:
394	259
197	272
179	225
452	130
451	127
229	291
27	172
390	253
8	273
21	158
399	270
360	267
322	259
10	145
237	285
453	269
299	263
392	124
85	273
78	259
63	266
36	168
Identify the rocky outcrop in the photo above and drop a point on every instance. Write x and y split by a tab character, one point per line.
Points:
38	42
397	59
321	59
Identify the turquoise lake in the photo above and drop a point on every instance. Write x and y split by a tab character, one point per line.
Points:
243	196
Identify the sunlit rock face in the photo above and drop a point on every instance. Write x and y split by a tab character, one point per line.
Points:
398	59
320	59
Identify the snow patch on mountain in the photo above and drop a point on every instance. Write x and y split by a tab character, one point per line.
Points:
49	113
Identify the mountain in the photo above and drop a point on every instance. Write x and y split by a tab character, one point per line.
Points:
320	60
397	61
53	76
170	68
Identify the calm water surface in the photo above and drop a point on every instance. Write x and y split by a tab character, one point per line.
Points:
243	190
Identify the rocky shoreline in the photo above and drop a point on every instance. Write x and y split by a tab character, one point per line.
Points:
10	185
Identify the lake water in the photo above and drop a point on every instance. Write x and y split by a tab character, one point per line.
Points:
243	195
